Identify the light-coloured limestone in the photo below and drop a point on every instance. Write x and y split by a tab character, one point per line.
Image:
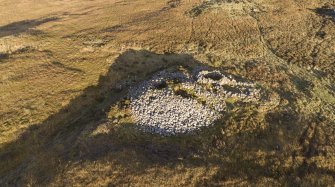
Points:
159	108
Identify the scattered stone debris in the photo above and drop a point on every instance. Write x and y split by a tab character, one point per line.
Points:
176	100
208	4
174	3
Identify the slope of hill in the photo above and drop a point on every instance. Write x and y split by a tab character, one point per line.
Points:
66	67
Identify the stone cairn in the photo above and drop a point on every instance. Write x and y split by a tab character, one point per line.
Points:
177	101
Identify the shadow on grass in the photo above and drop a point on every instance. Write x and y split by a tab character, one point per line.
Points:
23	26
43	151
326	11
3	56
56	139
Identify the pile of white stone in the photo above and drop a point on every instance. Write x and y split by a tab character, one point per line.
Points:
178	101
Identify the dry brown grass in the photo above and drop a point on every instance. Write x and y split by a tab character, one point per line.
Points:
61	60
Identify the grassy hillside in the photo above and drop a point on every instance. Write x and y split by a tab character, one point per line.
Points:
64	120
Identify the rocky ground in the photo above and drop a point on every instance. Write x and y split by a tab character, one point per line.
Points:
86	85
175	102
